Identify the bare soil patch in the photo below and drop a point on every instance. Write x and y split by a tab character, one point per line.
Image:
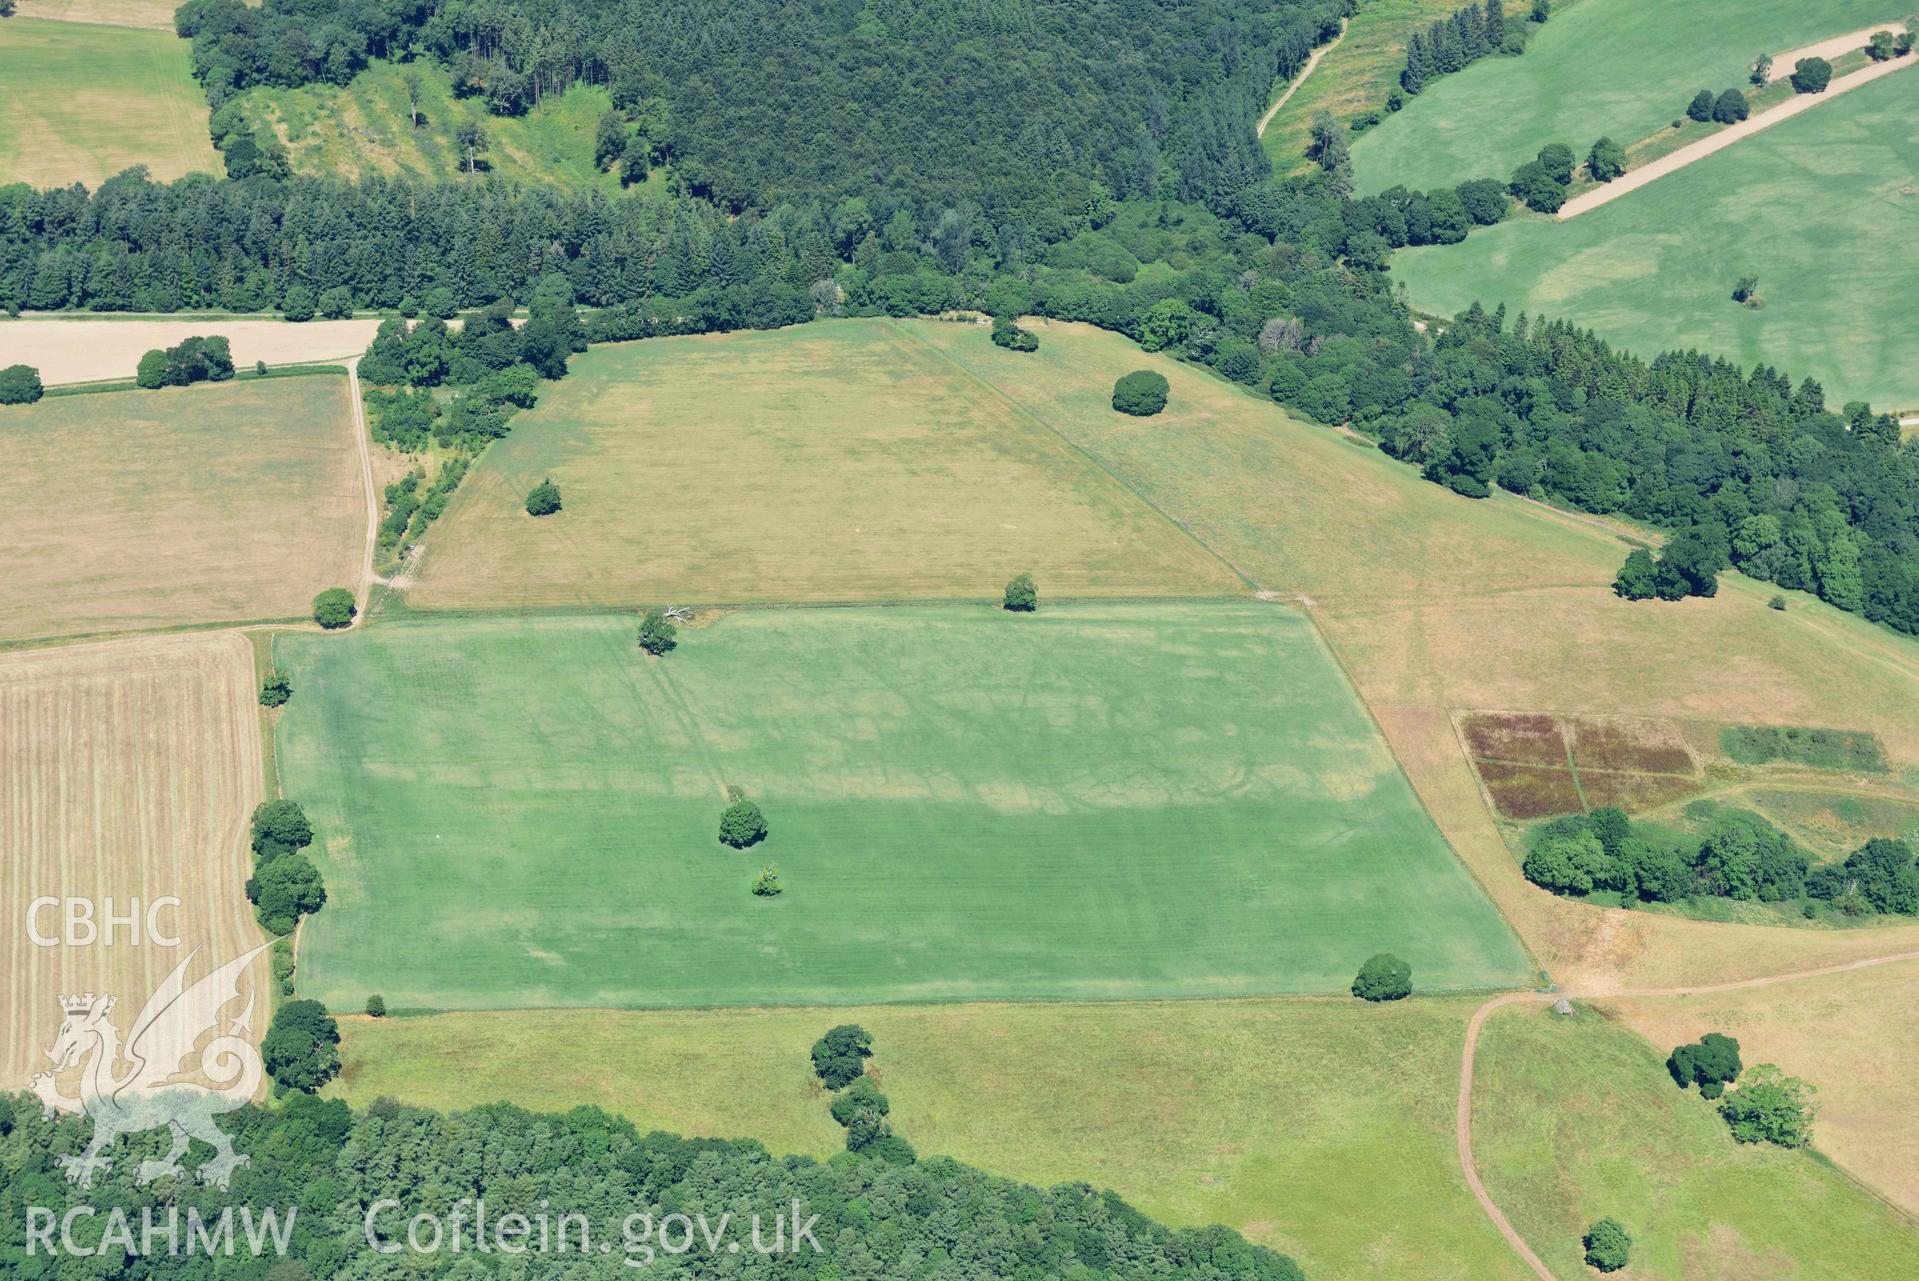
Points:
1642	746
1506	736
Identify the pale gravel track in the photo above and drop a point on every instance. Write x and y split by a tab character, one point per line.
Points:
1463	1122
1300	79
1634	179
364	590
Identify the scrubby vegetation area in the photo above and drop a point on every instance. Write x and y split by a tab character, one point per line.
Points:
1740	856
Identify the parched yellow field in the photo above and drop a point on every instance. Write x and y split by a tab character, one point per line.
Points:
1850	1034
843	460
127	769
136	510
66	348
80	102
155	15
1435	602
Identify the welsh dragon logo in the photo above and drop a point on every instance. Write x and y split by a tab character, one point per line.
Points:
145	1095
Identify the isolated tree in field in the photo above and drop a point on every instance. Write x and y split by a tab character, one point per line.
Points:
1762	71
6	8
1771	1107
543	499
657	633
1700	108
767	883
300	1047
20	385
1712	1063
1745	289
742	824
839	1057
1141	393
1880	47
1606	161
275	690
152	372
1607	1245
376	1006
1811	75
1022	597
1729	108
415	85
471	139
334	608
1383	978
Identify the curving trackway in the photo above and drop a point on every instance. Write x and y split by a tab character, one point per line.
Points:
1463	1125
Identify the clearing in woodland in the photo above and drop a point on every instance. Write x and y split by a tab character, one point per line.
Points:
128	770
836	461
366	129
1097	801
1821	208
1248	1113
1617	68
221	502
79	103
1436	603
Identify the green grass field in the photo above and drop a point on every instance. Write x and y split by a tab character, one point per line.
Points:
1353	77
1615	67
366	129
843	460
1096	801
1576	1119
150	509
1322	1128
79	103
1822	208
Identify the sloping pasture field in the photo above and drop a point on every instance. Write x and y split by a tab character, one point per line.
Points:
1621	68
1821	208
79	103
128	770
137	510
1436	603
835	461
1319	1127
1096	801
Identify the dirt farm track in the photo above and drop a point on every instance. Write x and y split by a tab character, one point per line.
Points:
127	769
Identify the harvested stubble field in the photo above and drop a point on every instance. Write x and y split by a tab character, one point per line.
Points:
101	348
138	510
1434	602
1096	801
1247	1113
79	103
127	769
836	461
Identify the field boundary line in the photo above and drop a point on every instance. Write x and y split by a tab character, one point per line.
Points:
1025	412
365	588
1672	162
1300	79
1463	1121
